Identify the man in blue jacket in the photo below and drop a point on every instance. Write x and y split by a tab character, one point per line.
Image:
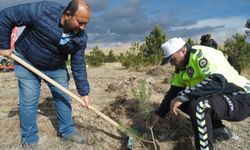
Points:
52	32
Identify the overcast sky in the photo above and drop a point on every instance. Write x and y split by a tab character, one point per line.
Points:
116	22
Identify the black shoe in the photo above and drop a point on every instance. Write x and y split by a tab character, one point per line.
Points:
76	138
222	134
29	146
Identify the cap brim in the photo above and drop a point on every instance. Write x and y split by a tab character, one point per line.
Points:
166	60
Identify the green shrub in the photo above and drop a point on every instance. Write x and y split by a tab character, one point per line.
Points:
152	48
111	57
191	42
149	53
133	57
238	48
95	57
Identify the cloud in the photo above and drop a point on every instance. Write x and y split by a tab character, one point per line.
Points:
192	32
188	23
98	5
132	20
125	23
12	3
220	28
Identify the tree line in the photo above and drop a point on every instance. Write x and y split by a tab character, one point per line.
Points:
150	52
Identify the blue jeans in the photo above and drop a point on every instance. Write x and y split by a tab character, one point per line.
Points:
29	86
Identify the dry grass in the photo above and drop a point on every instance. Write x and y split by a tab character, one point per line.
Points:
177	130
117	50
246	73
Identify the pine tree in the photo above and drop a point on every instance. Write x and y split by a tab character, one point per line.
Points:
190	42
152	48
111	57
238	48
95	57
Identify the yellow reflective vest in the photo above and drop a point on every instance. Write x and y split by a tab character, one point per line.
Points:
204	62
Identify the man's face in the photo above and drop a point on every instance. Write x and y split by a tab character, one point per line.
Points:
177	59
77	22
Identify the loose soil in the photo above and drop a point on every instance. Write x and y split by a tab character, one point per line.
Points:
111	87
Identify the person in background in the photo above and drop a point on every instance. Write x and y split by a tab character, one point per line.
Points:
207	41
232	59
203	40
52	32
207	88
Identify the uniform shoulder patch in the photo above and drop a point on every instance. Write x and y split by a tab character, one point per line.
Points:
190	72
203	63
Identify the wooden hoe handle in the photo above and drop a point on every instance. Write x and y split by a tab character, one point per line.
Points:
46	78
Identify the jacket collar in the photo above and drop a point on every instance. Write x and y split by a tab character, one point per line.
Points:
186	60
60	14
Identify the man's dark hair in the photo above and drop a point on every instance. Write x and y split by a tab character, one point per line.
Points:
247	25
203	38
208	36
72	7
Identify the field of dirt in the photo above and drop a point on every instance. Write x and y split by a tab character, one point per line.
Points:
111	94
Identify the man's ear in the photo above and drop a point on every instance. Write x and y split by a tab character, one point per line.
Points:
183	52
67	14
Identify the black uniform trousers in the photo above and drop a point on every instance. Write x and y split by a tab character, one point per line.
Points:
207	112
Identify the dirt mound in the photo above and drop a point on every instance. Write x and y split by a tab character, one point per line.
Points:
126	84
121	85
118	109
156	71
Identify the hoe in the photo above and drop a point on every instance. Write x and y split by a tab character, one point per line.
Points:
78	99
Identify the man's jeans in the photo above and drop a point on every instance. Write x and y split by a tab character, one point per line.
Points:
29	91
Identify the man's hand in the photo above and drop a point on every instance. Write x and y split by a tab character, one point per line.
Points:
6	52
85	101
175	103
154	118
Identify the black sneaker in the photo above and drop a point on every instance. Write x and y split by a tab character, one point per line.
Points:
222	134
29	146
76	138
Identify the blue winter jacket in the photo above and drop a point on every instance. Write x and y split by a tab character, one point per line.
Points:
39	42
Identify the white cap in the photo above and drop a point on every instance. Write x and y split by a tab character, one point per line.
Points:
170	47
